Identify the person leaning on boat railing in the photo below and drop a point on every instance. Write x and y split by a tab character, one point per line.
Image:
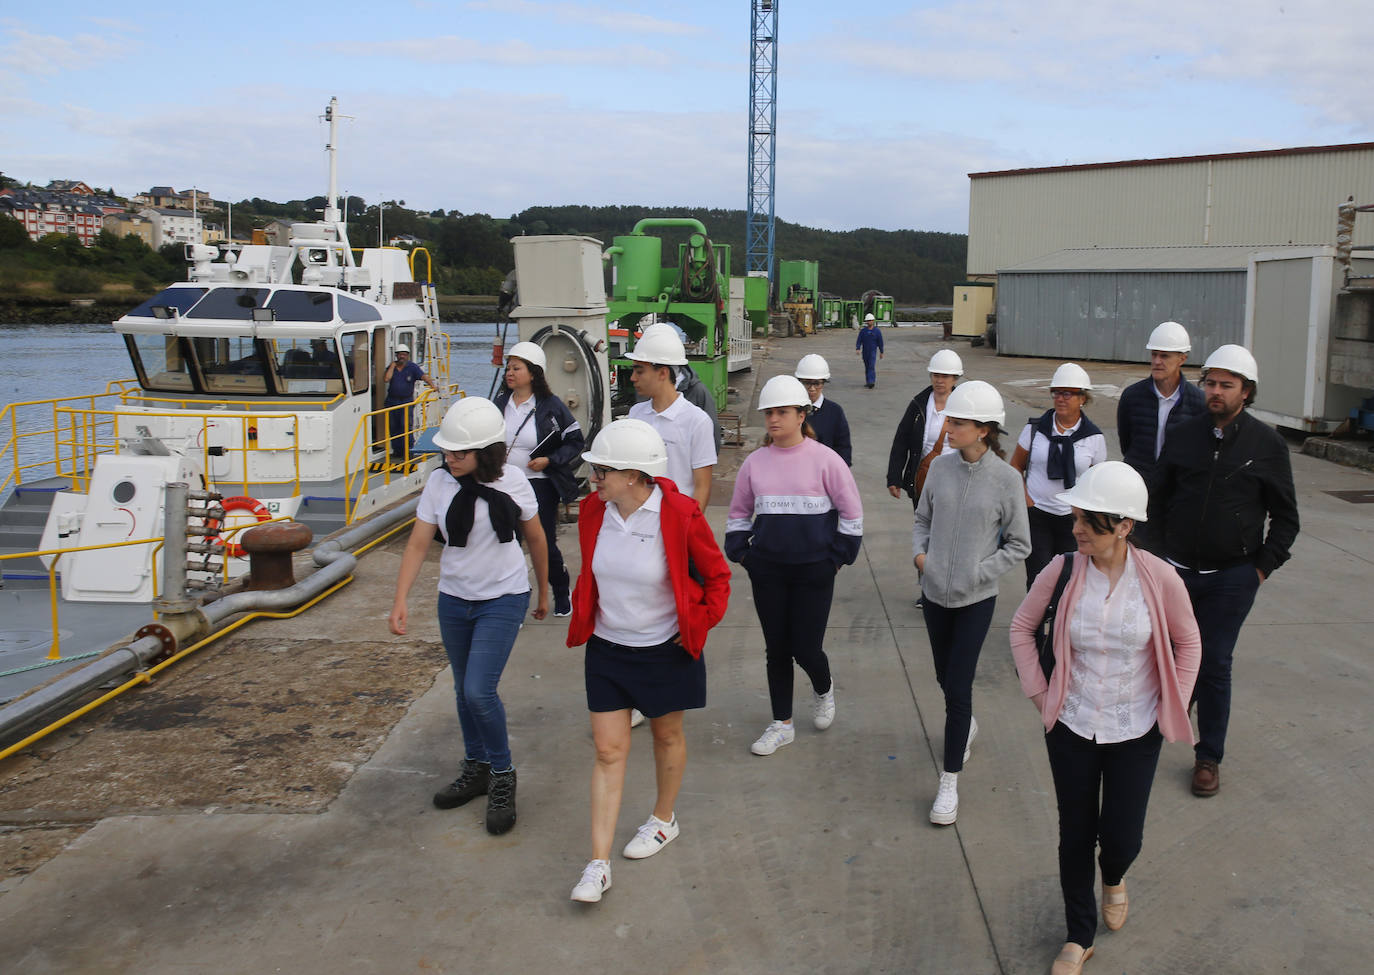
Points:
400	378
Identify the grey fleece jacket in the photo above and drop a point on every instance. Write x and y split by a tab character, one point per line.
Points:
971	524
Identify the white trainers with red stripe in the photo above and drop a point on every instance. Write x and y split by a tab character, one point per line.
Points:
652	837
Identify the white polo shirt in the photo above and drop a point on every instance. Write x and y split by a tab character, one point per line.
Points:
1043	491
484	568
687	433
634	595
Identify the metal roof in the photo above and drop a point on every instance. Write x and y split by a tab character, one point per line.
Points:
1171	160
1178	258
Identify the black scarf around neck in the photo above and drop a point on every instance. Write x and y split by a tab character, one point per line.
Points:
1059	464
501	508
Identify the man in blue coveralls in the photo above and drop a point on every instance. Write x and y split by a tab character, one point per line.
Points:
400	378
869	344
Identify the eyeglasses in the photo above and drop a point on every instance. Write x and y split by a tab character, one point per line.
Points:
817	383
457	454
599	473
1064	393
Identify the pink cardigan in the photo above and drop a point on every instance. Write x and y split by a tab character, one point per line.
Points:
1171	617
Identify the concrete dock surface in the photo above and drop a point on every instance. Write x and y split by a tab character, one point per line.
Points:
819	858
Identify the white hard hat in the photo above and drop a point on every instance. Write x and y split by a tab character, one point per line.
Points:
976	400
947	363
1233	358
1071	376
629	445
1112	488
660	346
530	352
403	348
1169	337
470	423
783	391
812	366
869	317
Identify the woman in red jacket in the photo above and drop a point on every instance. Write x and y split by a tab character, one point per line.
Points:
644	616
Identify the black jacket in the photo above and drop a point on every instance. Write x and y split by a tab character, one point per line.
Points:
1137	420
832	429
905	455
558	437
1209	497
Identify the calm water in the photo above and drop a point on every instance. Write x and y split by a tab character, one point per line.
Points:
48	361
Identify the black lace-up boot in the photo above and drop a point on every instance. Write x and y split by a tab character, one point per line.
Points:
501	803
471	782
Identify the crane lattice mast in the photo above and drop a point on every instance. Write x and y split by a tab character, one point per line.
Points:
763	117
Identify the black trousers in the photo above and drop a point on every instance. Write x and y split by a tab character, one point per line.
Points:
547	495
1221	601
793	603
956	639
1050	535
1103	792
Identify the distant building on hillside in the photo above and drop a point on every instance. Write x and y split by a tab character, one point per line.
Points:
47	212
70	186
173	226
278	232
168	198
127	224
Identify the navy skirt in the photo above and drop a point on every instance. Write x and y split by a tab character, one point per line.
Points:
657	680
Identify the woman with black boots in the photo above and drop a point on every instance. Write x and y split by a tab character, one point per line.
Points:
544	440
1125	655
478	506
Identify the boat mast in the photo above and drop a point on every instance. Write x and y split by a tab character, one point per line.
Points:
331	206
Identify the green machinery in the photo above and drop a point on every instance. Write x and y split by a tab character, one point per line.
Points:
689	293
853	313
831	312
881	307
798	281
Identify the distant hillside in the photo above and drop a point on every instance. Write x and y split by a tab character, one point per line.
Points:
911	265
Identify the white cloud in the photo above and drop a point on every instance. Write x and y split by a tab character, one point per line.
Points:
452	49
602	18
49	55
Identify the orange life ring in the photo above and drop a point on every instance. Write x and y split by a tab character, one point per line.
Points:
253	506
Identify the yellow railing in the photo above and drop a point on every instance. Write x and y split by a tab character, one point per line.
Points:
138	395
361	473
13	470
88	433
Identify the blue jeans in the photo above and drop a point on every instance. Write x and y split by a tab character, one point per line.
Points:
478	635
1221	601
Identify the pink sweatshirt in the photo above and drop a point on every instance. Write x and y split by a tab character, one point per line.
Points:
1171	616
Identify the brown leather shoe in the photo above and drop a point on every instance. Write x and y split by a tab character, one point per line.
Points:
1206	778
1071	959
1115	903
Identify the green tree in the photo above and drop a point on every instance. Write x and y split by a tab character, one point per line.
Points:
12	233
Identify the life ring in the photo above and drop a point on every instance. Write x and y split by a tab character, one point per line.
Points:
253	506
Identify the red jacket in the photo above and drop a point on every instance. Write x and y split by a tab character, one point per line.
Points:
686	536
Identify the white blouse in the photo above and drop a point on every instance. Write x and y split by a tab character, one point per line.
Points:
1113	690
635	606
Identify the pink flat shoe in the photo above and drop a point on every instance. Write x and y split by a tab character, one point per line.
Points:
1071	959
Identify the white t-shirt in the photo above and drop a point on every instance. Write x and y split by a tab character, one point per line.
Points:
1166	405
687	433
1086	452
935	421
634	596
484	568
520	436
1113	692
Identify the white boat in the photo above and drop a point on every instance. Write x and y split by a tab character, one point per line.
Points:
259	379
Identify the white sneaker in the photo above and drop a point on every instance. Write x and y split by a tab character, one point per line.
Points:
776	735
596	880
946	806
652	837
823	708
636	717
972	734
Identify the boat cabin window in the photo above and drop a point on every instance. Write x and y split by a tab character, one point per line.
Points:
230	364
302	306
230	303
158	362
351	310
179	298
355	358
307	365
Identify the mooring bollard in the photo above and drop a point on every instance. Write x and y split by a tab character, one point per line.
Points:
269	549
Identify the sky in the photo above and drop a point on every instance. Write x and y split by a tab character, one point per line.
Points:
492	106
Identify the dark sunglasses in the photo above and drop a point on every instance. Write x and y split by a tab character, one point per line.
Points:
599	473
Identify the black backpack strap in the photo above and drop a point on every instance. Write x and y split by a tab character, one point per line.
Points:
1044	634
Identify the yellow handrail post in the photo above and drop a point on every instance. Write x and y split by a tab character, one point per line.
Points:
55	651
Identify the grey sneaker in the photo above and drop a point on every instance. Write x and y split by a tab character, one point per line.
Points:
823	708
776	735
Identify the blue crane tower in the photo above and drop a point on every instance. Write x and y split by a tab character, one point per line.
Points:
763	118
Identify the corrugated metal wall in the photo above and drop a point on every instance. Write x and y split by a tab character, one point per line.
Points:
1255	200
1074	315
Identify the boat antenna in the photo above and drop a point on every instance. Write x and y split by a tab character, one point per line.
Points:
331	115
